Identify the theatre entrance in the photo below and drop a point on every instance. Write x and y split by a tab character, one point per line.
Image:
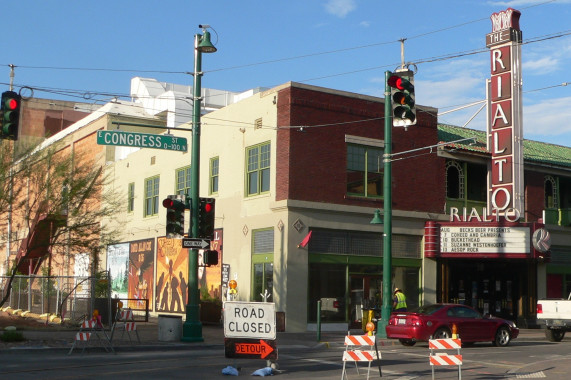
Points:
503	288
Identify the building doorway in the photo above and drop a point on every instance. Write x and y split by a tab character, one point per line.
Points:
499	288
365	295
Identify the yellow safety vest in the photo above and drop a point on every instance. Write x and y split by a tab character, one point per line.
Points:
401	301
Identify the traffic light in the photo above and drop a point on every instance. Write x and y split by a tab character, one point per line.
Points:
402	98
10	115
175	216
210	257
206	218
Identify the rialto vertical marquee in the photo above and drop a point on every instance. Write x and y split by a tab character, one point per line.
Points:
505	129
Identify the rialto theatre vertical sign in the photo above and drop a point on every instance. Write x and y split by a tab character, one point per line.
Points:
496	231
505	130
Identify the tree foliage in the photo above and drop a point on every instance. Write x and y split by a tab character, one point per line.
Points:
64	188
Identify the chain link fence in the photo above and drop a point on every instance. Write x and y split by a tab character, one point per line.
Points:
69	297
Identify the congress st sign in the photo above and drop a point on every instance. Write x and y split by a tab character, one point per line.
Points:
142	140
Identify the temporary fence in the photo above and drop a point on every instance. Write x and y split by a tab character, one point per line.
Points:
68	297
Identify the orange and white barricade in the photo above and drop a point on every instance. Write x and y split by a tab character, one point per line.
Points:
125	321
444	358
89	329
354	353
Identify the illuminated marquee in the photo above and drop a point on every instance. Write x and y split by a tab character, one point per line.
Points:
505	130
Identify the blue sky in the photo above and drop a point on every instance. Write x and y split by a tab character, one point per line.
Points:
89	50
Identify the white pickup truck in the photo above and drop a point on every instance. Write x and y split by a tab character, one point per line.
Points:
556	314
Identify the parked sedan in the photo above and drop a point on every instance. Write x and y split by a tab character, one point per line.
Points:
435	322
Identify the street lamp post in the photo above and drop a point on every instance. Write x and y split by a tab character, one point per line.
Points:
387	216
192	327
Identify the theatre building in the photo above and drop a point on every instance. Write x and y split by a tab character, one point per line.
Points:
501	265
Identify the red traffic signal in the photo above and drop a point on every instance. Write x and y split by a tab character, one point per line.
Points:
10	120
206	218
402	98
175	216
174	204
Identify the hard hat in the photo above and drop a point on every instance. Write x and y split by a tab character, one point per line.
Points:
397	289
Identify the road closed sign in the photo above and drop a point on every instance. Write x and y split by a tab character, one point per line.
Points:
255	320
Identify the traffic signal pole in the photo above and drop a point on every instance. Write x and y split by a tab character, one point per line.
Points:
387	216
192	327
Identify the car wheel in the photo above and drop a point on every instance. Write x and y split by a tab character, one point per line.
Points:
407	342
502	337
554	335
442	333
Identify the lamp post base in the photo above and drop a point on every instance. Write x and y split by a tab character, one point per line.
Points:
192	327
192	332
381	332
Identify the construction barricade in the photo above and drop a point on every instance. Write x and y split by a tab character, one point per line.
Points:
444	358
354	353
90	329
125	322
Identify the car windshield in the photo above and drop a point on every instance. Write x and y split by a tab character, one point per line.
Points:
427	309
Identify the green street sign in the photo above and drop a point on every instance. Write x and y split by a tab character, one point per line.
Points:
142	140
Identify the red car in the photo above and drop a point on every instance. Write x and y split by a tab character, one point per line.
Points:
435	322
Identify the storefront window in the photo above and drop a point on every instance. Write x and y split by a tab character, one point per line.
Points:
346	291
327	282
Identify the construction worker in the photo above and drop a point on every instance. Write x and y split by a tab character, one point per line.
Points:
399	300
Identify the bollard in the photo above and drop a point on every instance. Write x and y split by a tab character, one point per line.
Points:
319	321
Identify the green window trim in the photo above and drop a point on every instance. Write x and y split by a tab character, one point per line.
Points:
131	197
182	181
262	263
214	175
258	158
151	206
365	170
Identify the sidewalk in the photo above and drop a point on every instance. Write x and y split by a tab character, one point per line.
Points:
212	335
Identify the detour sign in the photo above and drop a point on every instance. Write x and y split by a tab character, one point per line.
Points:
256	320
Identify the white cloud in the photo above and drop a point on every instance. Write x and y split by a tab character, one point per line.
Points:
545	58
340	8
542	65
548	117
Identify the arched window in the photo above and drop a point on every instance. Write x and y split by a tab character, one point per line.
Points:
454	180
550	191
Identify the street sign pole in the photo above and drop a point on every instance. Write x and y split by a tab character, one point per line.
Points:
192	327
387	222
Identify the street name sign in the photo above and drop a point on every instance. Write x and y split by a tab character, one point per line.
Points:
195	243
142	140
250	349
253	320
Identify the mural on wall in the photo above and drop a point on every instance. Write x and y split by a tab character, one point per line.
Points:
141	274
172	276
211	277
118	266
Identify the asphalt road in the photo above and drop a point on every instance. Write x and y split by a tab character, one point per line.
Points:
532	357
